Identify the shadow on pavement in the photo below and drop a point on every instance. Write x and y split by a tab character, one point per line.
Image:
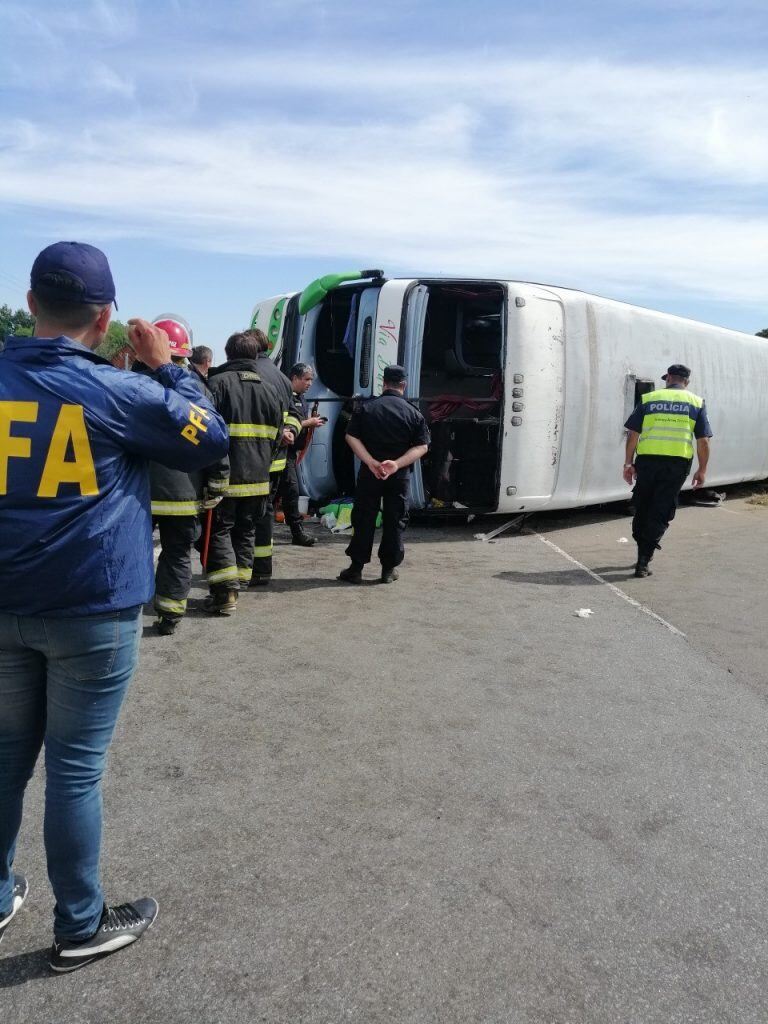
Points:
559	578
17	970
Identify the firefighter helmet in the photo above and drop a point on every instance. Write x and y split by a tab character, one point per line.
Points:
179	333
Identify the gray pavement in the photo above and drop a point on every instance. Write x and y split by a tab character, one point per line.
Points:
446	800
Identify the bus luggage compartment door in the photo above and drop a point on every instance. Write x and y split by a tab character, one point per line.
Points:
534	399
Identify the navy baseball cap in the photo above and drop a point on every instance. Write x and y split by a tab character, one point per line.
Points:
676	370
394	374
75	272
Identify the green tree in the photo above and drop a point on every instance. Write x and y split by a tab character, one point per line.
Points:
15	321
762	334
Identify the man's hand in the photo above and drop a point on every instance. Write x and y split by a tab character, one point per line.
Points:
699	477
388	467
375	467
315	421
289	437
210	500
629	475
150	343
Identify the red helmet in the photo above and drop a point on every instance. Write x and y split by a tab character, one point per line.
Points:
179	333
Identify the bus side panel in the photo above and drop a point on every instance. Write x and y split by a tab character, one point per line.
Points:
533	399
612	345
269	316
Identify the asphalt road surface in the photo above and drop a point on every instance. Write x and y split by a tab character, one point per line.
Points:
449	800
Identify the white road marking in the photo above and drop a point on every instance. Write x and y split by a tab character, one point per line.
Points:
611	586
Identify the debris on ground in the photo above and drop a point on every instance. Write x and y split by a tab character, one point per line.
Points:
583	613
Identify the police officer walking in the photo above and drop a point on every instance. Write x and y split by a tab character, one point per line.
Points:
659	453
387	435
253	412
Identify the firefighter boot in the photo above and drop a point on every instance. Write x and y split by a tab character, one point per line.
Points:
221	601
166	625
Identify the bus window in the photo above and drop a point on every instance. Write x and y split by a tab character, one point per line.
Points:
335	341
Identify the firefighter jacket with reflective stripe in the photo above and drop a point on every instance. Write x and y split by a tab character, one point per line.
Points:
669	422
282	385
179	494
76	437
253	411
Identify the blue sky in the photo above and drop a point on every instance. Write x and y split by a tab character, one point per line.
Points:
223	153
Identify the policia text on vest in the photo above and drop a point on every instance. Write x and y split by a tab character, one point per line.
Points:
660	446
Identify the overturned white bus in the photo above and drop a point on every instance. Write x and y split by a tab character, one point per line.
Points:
525	387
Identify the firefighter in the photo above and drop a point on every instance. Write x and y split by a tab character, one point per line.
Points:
262	551
177	499
301	377
253	411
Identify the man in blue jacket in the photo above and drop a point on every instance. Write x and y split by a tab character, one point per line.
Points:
76	435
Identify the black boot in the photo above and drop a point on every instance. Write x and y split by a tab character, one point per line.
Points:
302	539
641	569
354	574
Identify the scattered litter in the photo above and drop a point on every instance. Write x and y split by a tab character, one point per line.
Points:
583	613
623	540
486	537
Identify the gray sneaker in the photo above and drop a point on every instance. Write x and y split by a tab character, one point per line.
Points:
119	927
18	895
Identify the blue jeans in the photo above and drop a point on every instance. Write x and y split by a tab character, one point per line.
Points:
62	682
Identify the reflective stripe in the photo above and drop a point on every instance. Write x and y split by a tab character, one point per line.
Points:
263	552
278	465
175	508
167	604
247	490
222	575
252	430
654	435
244	574
218	485
291	421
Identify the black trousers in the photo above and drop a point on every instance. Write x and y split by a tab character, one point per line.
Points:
659	481
264	525
392	495
173	577
288	493
230	552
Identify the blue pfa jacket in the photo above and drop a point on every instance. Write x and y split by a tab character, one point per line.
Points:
76	436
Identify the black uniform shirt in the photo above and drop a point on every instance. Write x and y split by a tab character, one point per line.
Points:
388	426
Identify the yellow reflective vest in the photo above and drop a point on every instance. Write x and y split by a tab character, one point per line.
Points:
669	420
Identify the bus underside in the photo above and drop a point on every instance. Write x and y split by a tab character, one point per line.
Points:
452	345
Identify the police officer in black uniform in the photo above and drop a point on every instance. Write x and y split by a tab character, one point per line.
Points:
387	435
301	376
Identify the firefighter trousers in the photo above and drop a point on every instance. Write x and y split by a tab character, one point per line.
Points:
230	552
659	481
173	577
392	495
262	540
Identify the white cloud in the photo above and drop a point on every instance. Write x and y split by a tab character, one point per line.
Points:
600	176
